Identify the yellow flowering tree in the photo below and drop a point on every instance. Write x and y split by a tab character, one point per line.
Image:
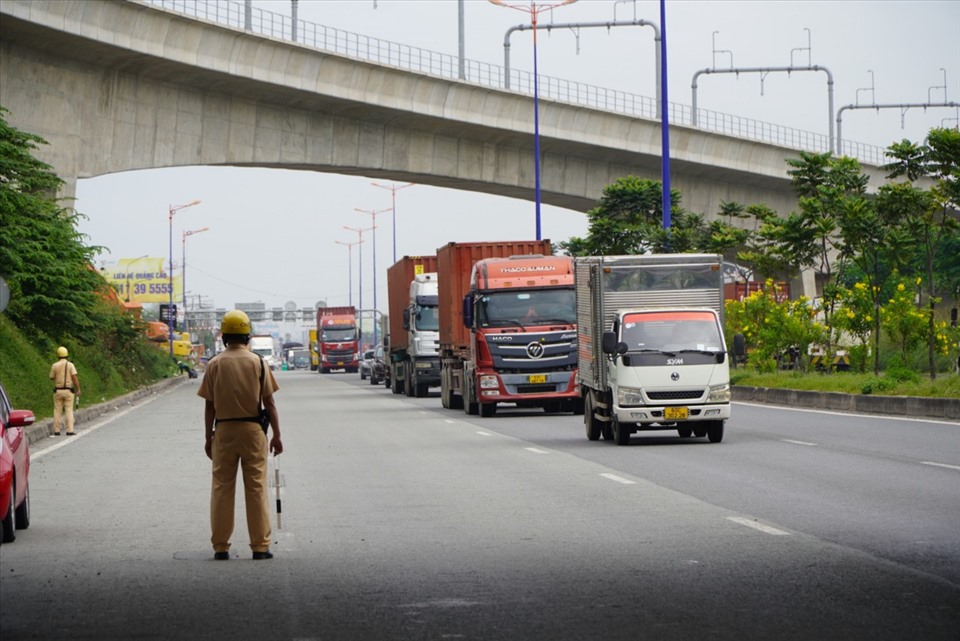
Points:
856	317
772	326
900	318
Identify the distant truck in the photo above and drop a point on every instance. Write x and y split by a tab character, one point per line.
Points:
265	346
652	352
314	354
507	327
414	329
338	345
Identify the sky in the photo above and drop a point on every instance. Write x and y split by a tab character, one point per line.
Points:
273	234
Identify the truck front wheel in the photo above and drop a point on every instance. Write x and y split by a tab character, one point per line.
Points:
715	431
621	433
488	409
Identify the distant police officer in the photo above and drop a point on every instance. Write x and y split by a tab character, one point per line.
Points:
66	387
235	383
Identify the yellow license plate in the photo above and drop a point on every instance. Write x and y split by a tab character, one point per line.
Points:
339	362
676	413
537	378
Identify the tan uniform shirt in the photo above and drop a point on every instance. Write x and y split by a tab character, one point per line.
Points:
62	373
232	382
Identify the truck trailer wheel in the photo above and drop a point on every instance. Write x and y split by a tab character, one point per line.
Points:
621	433
715	431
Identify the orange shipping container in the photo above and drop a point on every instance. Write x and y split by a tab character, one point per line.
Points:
454	264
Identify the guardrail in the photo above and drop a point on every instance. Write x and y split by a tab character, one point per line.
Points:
416	59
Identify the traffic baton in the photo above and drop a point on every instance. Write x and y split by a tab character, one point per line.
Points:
276	483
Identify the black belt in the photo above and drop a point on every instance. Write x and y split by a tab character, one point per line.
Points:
246	419
59	388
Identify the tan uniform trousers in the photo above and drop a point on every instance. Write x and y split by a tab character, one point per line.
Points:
243	445
63	407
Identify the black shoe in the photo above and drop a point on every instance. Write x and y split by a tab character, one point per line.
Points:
221	556
71	433
259	556
56	433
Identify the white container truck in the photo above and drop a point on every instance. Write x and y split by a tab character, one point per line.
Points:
651	350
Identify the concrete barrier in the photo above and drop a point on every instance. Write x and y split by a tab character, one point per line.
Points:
913	406
44	428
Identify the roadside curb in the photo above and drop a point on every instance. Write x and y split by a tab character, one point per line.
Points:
43	429
913	406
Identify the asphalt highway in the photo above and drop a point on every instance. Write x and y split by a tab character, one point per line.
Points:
402	520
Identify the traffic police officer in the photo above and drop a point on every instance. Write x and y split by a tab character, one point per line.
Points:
234	385
66	387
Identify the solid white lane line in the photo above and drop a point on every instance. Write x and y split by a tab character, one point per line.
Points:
535	450
757	526
618	479
107	419
786	440
949	467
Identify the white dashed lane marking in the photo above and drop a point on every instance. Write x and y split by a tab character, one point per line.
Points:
618	479
949	467
786	440
766	529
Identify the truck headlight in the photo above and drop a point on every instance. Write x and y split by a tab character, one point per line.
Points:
629	396
489	382
719	393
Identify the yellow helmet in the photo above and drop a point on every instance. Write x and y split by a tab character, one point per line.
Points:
235	322
62	352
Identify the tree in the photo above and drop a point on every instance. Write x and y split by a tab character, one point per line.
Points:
53	287
930	217
629	220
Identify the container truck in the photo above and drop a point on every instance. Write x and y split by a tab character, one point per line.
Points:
507	327
338	343
414	330
652	354
264	346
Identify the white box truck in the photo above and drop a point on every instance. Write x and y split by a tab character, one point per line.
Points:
651	350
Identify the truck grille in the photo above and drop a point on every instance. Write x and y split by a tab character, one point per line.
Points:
676	395
536	389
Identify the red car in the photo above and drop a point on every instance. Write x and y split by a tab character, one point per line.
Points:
14	468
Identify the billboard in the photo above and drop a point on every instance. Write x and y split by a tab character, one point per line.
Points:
142	280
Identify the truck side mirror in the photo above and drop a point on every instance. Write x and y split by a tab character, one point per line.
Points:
609	344
468	311
406	318
721	356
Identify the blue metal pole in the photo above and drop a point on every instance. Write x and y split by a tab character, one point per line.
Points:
664	119
536	123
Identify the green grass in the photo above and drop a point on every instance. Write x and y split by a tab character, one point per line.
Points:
946	385
104	373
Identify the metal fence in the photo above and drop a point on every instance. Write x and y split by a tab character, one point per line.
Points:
424	61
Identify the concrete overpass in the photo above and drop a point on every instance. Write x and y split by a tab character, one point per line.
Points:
118	85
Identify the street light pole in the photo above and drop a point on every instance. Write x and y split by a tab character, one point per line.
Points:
349	247
183	271
173	209
393	193
373	214
535	9
360	276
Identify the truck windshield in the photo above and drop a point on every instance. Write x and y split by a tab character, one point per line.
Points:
671	331
262	351
338	335
527	307
427	319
